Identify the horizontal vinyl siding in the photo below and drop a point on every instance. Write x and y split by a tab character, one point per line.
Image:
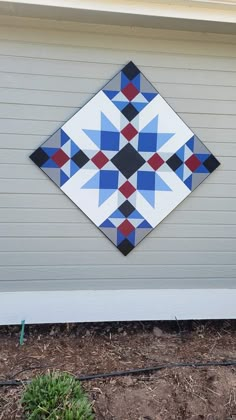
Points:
46	74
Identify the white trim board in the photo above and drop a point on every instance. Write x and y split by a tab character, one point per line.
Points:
193	15
116	305
208	10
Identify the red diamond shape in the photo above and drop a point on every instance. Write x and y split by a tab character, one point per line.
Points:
126	228
60	158
193	163
130	91
100	160
155	161
129	132
127	189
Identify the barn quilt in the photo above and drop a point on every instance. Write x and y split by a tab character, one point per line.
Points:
126	159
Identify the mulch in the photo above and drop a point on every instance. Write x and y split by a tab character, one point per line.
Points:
185	393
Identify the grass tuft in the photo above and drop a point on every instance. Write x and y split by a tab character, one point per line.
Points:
56	396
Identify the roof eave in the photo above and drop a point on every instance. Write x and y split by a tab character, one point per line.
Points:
195	15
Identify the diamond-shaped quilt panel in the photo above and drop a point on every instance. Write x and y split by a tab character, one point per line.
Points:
126	159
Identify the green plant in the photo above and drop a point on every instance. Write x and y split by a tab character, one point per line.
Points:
56	396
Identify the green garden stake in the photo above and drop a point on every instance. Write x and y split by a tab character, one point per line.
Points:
22	332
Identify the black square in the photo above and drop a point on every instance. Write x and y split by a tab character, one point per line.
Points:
39	157
129	112
174	162
128	160
126	208
130	70
125	247
80	159
211	163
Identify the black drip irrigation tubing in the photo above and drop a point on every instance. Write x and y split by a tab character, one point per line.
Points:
140	371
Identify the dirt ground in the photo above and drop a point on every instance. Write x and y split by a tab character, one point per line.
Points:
169	394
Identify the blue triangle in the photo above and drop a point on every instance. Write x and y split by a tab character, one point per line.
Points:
131	237
202	157
149	195
49	164
93	183
124	81
107	224
160	185
104	195
151	127
180	172
64	137
120	105
162	138
74	148
190	143
139	105
135	215
111	93
106	124
117	215
144	225
73	168
95	136
50	150
201	170
120	237
188	182
63	178
180	154
149	96
136	81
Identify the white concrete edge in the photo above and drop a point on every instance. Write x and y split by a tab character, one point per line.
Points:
116	305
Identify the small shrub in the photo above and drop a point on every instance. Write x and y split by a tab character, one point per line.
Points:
56	397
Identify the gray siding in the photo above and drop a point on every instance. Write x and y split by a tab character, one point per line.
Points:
48	70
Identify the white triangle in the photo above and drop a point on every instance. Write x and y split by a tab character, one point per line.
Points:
165	168
121	180
132	199
134	142
146	167
135	122
136	222
123	121
187	153
121	199
120	97
66	168
140	98
123	141
146	155
110	153
116	221
133	180
91	165
165	156
109	166
67	148
90	153
186	173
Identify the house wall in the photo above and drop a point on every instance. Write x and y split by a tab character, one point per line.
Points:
48	70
